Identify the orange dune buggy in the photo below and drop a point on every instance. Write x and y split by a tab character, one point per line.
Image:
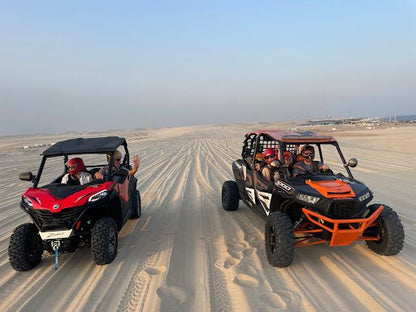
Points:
313	207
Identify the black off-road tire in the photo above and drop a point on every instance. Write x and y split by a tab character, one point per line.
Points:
279	239
104	241
230	195
138	207
391	231
25	247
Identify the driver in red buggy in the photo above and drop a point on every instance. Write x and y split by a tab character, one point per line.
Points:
76	173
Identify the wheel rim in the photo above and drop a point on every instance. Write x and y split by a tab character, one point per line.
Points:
272	239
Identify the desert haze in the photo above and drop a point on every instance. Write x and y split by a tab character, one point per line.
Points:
186	253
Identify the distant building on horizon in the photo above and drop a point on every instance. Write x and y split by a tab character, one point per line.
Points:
341	121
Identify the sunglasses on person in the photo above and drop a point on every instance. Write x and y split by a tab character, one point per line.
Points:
270	156
117	159
307	153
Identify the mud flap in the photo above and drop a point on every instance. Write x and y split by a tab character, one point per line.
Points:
240	175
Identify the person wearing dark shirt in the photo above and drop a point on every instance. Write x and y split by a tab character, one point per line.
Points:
103	172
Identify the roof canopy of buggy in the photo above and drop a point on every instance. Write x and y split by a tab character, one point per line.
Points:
85	146
295	136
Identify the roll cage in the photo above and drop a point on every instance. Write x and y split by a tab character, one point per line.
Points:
79	146
257	142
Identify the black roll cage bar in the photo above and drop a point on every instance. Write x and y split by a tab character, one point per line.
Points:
255	143
126	161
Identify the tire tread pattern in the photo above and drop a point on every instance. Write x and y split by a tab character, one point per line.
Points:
230	195
392	232
284	252
25	247
100	241
137	208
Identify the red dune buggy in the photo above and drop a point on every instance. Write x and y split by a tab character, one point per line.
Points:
64	216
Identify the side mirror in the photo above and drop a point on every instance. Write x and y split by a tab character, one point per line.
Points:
26	176
353	162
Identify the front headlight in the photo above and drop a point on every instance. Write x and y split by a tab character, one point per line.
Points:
27	201
98	196
364	197
307	198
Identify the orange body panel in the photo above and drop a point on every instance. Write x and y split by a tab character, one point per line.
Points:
332	189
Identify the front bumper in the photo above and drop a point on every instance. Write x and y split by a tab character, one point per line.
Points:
55	235
342	231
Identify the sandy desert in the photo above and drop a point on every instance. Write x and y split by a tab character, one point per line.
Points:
186	253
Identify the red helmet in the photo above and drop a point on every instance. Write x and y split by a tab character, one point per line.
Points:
75	165
268	152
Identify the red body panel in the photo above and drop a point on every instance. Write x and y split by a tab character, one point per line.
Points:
43	199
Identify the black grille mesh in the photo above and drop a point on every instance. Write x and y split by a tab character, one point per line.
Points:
63	219
344	209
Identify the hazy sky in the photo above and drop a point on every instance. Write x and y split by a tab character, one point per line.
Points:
96	65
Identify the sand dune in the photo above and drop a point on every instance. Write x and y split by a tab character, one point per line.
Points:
187	254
